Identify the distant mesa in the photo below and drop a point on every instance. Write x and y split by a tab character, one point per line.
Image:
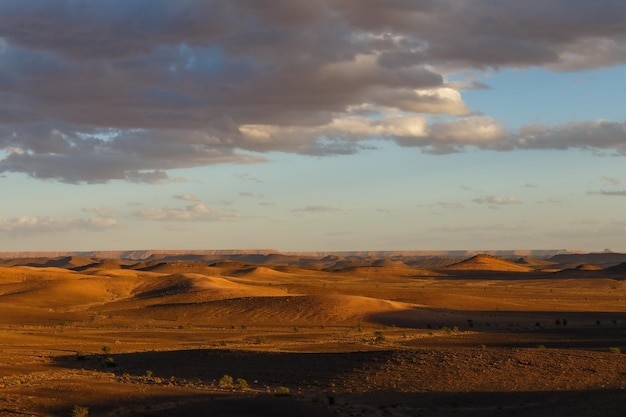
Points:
485	262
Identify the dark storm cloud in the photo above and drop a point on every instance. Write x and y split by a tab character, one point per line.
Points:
101	90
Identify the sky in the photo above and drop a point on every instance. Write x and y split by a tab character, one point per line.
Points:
329	125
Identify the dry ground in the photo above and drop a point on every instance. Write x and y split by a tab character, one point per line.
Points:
481	338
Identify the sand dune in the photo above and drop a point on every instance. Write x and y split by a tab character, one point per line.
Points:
488	263
274	310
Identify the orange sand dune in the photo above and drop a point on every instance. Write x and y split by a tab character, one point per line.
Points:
488	263
273	310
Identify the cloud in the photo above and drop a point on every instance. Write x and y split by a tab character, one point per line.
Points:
196	212
99	211
27	225
611	180
497	200
609	193
247	177
112	92
317	209
186	197
449	205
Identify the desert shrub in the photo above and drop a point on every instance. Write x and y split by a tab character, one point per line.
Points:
80	411
541	347
259	340
359	328
81	356
379	336
241	384
226	381
282	391
106	349
110	362
483	347
148	373
296	329
615	350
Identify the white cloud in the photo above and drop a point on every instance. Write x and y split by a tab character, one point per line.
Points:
27	224
196	212
618	193
611	180
99	211
186	197
317	209
497	200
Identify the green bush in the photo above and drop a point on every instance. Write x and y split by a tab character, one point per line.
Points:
282	391
241	384
226	381
80	411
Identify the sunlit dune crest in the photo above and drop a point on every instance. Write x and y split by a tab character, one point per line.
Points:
489	263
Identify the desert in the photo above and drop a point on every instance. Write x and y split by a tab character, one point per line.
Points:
270	334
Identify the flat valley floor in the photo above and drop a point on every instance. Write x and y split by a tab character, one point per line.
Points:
328	337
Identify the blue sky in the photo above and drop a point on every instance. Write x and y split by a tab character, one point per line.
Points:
299	126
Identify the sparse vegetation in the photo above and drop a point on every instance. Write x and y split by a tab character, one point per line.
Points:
110	362
614	349
241	384
80	411
81	356
226	381
106	349
379	336
282	391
